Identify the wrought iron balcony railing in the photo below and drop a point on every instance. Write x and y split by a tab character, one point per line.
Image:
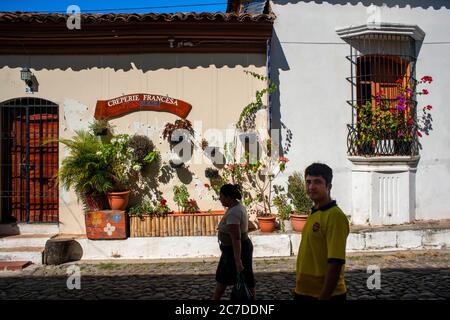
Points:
375	143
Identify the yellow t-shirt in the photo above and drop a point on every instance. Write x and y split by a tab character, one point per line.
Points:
324	239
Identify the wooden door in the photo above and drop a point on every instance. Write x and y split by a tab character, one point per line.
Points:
30	161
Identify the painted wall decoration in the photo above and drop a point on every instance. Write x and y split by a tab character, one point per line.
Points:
112	108
106	224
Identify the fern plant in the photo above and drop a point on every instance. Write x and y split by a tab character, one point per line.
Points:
83	168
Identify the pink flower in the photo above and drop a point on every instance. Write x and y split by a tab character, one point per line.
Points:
283	159
428	107
424	91
401	107
427	79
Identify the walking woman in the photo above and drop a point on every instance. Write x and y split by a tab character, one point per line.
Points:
236	246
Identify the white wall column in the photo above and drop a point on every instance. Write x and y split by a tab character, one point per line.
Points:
383	190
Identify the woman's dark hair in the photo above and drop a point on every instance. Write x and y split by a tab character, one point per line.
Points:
231	190
320	170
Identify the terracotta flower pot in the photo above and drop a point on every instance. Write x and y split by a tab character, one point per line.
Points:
267	224
118	200
298	221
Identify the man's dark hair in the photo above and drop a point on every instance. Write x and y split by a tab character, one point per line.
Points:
320	169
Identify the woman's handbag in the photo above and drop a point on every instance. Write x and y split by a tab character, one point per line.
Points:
240	291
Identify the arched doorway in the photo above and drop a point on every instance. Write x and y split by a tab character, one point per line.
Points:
29	162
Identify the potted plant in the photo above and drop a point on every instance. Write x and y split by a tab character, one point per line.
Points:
256	179
387	125
175	133
119	157
301	202
84	171
255	173
144	151
281	202
101	127
204	144
180	124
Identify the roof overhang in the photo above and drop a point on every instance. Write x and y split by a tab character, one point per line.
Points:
40	33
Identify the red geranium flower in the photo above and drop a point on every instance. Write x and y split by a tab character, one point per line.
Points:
424	91
427	79
429	107
162	202
206	185
283	159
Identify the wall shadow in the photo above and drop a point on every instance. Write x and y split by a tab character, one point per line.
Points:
127	62
278	63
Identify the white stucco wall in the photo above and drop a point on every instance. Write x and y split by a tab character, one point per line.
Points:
214	84
308	60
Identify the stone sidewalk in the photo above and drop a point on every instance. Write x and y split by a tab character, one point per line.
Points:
404	275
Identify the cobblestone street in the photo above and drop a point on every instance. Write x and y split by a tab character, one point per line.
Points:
404	275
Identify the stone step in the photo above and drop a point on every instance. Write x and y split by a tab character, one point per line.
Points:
27	240
32	254
28	228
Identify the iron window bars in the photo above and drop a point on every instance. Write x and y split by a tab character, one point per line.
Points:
382	67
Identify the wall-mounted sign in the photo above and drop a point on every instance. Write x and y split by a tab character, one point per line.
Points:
107	109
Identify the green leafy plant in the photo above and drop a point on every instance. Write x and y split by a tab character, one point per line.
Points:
83	169
142	147
151	157
256	177
144	208
120	160
184	203
147	207
180	196
161	208
297	193
247	117
281	202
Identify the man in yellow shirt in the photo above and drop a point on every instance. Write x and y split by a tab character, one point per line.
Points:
321	255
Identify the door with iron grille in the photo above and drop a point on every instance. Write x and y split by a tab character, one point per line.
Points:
29	160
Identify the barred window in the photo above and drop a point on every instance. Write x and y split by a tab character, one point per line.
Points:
382	95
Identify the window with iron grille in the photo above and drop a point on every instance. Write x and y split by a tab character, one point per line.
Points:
383	100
